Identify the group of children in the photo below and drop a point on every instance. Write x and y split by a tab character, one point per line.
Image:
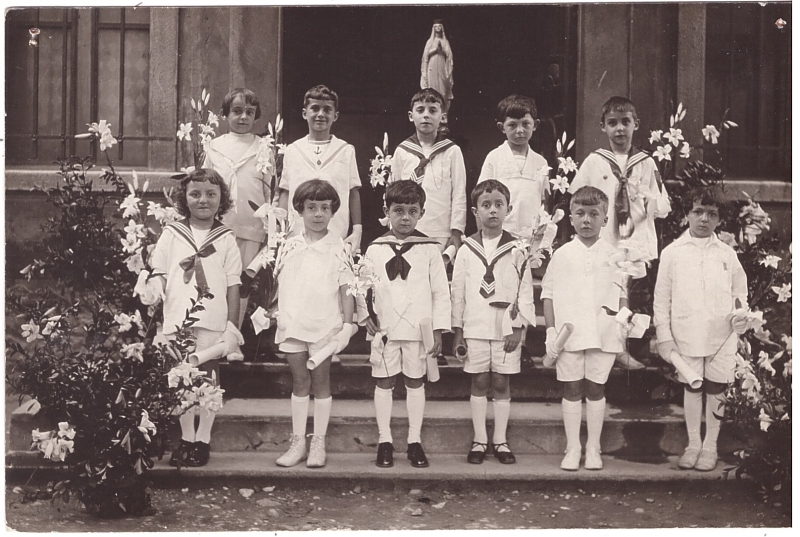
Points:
616	195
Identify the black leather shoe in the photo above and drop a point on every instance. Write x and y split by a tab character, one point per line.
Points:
198	455
180	453
417	456
504	457
385	455
476	456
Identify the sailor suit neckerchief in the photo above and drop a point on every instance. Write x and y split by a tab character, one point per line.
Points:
505	246
398	265
193	265
622	203
412	145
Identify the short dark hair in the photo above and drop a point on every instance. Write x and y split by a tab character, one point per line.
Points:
316	190
516	106
321	93
589	195
404	191
201	176
490	185
249	97
427	95
707	195
618	104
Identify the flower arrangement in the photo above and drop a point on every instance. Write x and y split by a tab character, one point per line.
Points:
567	168
205	120
380	168
87	356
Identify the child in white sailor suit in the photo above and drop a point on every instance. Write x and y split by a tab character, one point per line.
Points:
321	155
313	310
436	164
247	166
487	270
518	166
200	252
412	286
628	177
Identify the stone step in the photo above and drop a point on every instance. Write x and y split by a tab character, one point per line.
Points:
444	468
264	425
352	379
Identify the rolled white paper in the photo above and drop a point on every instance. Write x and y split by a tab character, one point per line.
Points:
426	329
321	355
449	254
561	340
214	352
461	352
329	349
691	376
433	368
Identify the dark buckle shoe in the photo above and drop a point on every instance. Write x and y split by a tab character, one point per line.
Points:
476	456
385	455
504	457
199	455
417	456
180	453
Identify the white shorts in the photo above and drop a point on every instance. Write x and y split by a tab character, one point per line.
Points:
720	369
484	355
292	345
395	357
590	364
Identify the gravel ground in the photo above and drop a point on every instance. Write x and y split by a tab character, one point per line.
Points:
317	505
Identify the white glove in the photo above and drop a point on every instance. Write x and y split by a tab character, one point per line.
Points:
354	239
665	349
739	324
549	343
232	338
343	337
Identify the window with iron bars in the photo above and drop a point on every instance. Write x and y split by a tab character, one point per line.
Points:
748	70
69	67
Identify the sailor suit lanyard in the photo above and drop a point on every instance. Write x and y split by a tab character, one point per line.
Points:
314	158
622	202
413	146
505	246
397	266
193	265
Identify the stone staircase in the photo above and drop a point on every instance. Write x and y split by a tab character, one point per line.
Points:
643	434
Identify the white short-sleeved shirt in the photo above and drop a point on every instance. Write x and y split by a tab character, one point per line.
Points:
472	311
580	281
335	164
648	201
308	288
696	289
246	183
525	181
445	185
222	270
401	304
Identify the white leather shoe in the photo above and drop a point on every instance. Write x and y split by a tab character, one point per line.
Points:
316	454
571	460
593	459
297	452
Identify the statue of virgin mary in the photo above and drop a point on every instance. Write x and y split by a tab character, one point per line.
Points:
437	64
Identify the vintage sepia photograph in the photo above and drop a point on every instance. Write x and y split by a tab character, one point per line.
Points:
408	267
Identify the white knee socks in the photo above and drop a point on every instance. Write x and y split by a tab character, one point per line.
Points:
693	412
478	406
571	410
206	422
715	404
415	404
299	415
187	425
502	409
322	414
383	414
595	415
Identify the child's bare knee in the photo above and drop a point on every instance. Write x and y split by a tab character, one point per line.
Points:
414	383
480	384
714	388
385	383
573	390
500	386
594	391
